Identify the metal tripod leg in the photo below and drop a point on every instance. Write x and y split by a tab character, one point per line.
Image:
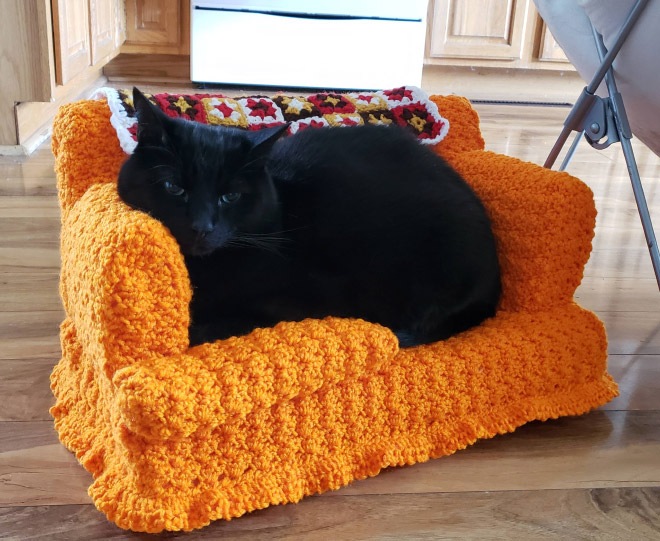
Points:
625	134
589	105
575	119
642	207
571	151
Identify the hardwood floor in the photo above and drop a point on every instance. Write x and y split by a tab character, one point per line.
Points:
591	477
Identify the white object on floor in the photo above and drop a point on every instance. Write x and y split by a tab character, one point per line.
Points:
370	44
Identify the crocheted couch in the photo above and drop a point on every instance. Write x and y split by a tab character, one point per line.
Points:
176	437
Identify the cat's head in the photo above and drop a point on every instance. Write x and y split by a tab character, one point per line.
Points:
207	184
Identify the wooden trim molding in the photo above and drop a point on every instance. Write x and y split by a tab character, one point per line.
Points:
34	119
164	68
503	85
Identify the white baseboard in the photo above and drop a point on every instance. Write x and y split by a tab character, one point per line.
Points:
13	150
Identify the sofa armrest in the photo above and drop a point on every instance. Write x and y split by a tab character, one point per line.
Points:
464	134
126	289
124	282
174	397
86	149
543	223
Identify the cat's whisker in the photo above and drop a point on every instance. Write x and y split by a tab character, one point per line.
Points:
265	239
160	166
270	245
255	242
275	235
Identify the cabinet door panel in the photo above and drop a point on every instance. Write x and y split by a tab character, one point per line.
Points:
105	29
153	22
72	43
549	49
478	29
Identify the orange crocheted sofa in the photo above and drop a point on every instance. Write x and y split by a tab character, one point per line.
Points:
176	436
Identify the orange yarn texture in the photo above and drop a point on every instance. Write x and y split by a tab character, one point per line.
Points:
176	436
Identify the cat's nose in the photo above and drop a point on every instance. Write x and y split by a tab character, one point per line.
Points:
202	226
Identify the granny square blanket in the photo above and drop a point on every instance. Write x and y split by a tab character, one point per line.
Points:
407	106
175	437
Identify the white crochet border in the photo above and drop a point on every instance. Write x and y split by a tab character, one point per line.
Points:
119	118
122	122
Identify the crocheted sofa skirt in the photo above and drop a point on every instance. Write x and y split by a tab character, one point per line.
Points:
176	436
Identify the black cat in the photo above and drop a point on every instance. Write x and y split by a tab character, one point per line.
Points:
361	222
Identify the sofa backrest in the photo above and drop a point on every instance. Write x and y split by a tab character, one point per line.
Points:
543	220
87	150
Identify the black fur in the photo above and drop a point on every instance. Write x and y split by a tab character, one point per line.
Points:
352	222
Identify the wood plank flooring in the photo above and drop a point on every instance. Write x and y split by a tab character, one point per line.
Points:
591	477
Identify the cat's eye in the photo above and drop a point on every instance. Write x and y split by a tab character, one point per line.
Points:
173	188
229	198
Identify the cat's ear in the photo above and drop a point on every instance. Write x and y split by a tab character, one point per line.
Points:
263	140
150	129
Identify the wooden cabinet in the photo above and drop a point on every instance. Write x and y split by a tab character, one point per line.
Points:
85	33
51	52
106	27
549	49
25	74
71	38
154	22
157	27
478	29
495	51
491	33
